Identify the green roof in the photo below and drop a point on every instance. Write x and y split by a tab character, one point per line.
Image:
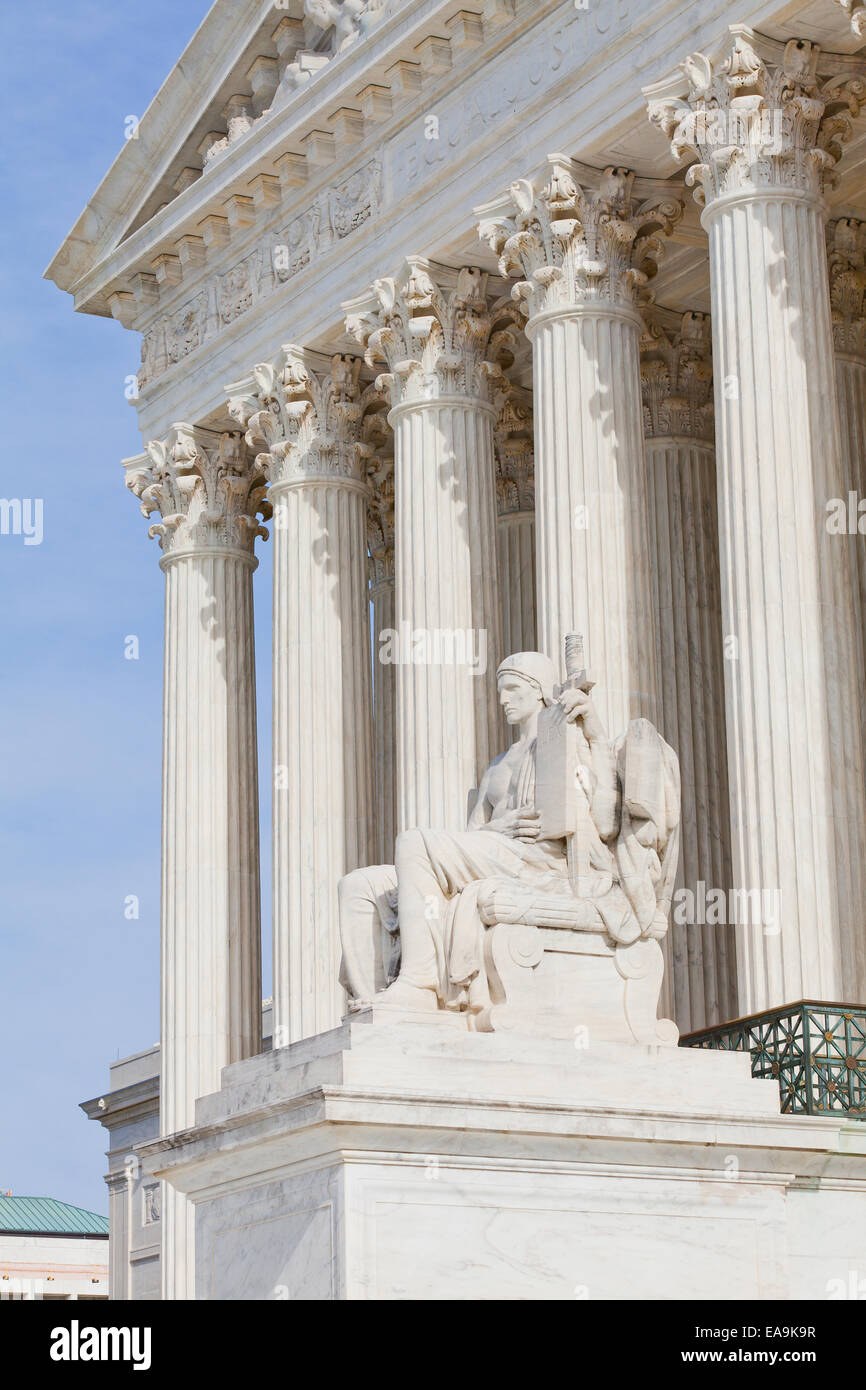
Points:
47	1216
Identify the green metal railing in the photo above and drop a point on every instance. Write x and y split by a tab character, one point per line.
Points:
816	1051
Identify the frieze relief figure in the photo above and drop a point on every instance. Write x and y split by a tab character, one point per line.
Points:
546	913
343	15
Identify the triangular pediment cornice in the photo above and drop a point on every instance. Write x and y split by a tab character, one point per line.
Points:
141	165
256	77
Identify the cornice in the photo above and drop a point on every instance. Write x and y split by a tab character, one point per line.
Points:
377	81
119	1107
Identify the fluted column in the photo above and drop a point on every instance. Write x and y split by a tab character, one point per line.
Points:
435	329
677	383
584	242
765	122
846	247
306	412
515	490
209	494
380	543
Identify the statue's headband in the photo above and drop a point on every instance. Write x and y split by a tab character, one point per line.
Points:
534	667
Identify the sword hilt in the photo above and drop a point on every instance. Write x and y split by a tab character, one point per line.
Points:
577	677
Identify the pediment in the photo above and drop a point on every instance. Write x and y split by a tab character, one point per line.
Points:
247	59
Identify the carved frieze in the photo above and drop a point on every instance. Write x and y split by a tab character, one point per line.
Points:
354	201
334	215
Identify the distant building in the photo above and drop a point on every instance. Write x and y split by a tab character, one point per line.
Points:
129	1111
49	1249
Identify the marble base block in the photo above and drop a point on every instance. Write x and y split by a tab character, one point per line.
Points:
390	1159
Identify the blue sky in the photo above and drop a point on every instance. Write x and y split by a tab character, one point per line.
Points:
80	730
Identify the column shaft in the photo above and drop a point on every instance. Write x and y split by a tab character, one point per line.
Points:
445	589
211	948
766	121
515	487
591	503
209	493
437	330
386	799
322	740
517	567
846	247
684	540
795	777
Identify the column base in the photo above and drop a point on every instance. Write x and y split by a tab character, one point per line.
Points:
396	1160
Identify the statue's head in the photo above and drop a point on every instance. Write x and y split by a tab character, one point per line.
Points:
525	681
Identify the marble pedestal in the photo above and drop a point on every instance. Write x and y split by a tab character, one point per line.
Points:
394	1159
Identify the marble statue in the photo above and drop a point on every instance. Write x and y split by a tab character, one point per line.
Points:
345	18
570	851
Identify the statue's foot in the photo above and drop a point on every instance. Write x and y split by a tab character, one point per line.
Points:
402	995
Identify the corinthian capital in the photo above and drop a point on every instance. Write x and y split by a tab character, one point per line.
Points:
846	256
436	329
676	373
578	235
515	453
759	114
206	487
305	413
377	452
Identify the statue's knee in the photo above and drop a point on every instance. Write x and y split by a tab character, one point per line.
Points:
352	885
408	842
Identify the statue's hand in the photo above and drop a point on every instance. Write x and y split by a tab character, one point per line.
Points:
522	824
578	705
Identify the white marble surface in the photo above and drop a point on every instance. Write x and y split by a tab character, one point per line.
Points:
439	333
395	1162
700	986
307	412
209	493
798	815
580	291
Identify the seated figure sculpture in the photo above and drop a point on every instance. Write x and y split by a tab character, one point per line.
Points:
545	914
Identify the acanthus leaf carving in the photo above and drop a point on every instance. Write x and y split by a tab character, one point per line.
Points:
305	412
764	115
206	488
438	330
856	12
846	256
578	236
514	451
376	450
677	375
